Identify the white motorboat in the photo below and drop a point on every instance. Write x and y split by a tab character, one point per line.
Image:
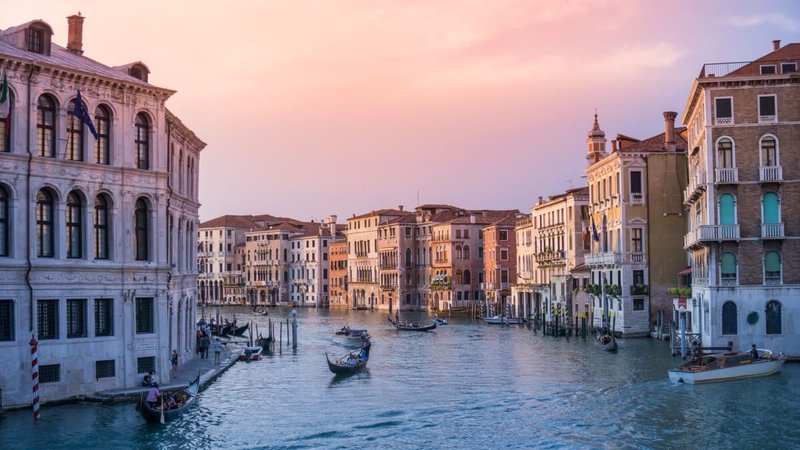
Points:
727	366
500	320
251	353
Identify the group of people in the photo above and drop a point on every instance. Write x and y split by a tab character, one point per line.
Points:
156	400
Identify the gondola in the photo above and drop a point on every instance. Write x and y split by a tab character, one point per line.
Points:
607	343
411	327
221	330
342	367
238	331
155	415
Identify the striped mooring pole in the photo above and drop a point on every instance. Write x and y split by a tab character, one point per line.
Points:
35	375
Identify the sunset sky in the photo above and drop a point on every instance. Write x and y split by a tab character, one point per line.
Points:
312	108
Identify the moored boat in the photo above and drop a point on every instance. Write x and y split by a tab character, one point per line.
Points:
181	401
251	353
238	331
412	326
350	363
501	320
727	366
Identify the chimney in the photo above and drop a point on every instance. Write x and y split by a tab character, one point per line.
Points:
776	44
332	225
669	130
75	34
540	201
400	207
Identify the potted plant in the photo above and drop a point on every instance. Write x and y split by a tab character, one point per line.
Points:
614	290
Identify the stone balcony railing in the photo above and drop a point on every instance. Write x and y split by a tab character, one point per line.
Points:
711	233
772	231
696	185
727	175
770	174
599	259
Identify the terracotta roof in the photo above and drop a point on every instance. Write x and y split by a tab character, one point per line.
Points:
380	212
410	218
655	143
230	221
787	53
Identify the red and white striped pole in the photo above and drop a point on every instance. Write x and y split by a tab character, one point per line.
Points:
35	375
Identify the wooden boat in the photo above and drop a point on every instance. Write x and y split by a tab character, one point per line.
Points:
357	333
221	330
501	320
347	365
727	366
184	400
412	326
251	353
345	330
238	331
607	342
440	321
265	343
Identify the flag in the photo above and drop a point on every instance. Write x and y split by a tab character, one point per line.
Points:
82	115
595	236
5	103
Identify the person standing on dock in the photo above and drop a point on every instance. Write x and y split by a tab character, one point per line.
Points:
217	350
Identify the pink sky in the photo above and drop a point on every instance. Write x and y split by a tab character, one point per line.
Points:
312	108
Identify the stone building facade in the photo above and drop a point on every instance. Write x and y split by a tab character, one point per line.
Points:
743	200
97	229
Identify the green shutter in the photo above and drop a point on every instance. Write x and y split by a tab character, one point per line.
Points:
728	264
771	208
727	211
772	262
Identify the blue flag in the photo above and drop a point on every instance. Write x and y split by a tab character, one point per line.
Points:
595	236
83	115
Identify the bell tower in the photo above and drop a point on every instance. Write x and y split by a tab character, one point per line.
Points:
597	143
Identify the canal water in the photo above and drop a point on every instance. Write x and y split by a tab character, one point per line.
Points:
464	385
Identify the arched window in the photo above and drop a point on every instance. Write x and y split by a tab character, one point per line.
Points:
771	209
773	313
459	252
101	227
467	277
729	318
74	226
102	145
728	268
44	224
5	125
45	126
459	277
772	268
408	257
727	209
142	142
466	252
142	232
769	152
725	153
4	225
74	150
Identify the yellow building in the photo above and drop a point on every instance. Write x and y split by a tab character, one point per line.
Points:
637	225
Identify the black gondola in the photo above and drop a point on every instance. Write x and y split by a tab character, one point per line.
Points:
184	400
344	367
221	330
411	327
238	331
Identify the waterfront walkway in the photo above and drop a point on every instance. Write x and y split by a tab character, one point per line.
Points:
187	372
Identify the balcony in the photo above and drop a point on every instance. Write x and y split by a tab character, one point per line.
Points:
723	121
768	119
636	257
696	186
770	174
639	289
600	259
637	197
525	275
504	286
550	257
727	175
772	231
710	233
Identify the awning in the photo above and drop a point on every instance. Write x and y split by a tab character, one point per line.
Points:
686	271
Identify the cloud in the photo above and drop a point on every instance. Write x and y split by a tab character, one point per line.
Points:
780	20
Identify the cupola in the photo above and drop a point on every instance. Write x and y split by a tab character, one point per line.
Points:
596	143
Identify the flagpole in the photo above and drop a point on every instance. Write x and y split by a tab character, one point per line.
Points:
605	299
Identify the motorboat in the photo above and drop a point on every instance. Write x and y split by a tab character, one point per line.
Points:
728	366
502	320
440	321
251	353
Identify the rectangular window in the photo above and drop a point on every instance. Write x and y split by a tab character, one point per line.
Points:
103	317
76	318
144	315
6	320
50	373
104	369
636	240
145	364
724	110
767	109
638	304
35	40
638	277
788	67
504	276
47	319
504	254
503	235
636	186
768	69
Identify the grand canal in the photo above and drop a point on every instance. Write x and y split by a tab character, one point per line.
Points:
465	385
